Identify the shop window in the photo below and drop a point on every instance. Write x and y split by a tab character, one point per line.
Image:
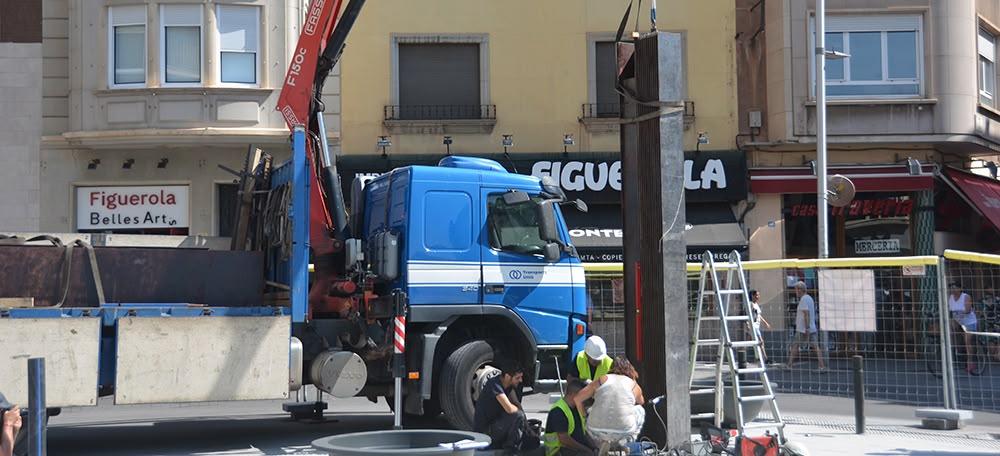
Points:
127	42
440	78
873	224
238	44
987	68
885	55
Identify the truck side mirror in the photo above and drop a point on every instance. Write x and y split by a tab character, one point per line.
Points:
551	252
547	229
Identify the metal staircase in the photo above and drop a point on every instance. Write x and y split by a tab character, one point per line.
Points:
727	310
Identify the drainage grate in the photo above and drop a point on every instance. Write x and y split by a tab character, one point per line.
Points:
958	437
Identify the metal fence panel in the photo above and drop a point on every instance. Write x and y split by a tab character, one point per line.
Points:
888	310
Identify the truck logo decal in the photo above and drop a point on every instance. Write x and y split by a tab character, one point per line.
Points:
515	274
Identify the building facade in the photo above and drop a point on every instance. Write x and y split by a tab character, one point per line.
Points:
141	101
21	60
911	120
532	84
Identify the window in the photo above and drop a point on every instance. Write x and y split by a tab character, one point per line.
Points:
514	227
181	44
127	42
885	55
605	75
227	203
440	78
239	41
987	68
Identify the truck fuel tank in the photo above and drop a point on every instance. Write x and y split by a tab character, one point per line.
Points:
341	374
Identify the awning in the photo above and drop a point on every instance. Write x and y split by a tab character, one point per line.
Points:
982	193
711	226
866	178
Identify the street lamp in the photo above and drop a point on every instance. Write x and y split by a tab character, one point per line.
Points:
447	144
567	141
822	206
383	142
508	141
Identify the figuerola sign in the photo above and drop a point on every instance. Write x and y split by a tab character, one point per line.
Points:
593	177
157	206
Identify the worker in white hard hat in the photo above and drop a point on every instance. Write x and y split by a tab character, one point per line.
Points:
592	362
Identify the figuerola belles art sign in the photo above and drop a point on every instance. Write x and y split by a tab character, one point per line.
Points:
156	206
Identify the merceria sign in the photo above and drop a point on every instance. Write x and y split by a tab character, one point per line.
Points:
158	206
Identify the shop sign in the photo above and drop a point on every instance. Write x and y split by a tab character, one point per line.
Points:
861	207
876	246
708	176
136	207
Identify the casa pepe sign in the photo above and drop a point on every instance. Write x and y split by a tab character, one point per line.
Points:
132	207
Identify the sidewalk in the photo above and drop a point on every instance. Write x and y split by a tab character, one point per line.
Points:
826	427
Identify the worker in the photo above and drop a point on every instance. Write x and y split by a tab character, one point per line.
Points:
498	411
592	362
617	415
565	434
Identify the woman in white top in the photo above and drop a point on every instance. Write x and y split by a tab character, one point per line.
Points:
960	305
617	415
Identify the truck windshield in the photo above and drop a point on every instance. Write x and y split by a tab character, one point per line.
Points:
514	228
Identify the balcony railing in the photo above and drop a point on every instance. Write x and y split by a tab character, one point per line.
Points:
440	112
611	110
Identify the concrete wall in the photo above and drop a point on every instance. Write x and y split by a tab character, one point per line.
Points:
537	70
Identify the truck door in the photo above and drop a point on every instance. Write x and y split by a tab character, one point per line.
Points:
515	274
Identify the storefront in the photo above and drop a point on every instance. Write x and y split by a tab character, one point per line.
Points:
145	209
877	222
715	182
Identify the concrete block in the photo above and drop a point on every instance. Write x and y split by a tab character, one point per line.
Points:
941	424
946	414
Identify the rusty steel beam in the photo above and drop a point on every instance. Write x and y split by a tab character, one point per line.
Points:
133	275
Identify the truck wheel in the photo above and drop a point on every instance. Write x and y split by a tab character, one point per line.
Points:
462	378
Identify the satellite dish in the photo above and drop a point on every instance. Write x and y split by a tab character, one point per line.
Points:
839	190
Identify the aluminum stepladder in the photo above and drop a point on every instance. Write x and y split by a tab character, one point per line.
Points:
728	311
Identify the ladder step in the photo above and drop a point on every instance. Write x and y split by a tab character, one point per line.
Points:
761	398
751	370
708	342
764	424
724	292
745	343
728	318
703	391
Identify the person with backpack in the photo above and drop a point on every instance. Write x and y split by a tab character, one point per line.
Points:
499	413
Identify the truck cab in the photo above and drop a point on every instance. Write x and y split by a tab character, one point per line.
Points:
484	258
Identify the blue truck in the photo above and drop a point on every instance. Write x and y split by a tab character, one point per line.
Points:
427	277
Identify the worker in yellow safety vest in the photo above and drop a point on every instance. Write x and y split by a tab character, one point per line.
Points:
565	433
592	362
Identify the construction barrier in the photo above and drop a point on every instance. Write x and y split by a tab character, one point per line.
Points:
893	311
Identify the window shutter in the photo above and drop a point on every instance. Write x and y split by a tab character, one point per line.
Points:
606	66
872	23
239	28
128	15
442	75
181	15
987	46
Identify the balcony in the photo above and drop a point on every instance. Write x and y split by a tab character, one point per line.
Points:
603	117
440	119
